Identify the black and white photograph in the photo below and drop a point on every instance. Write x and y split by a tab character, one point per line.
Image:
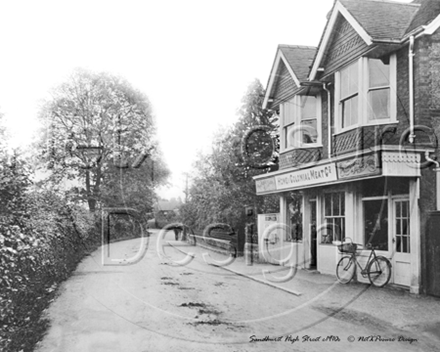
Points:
219	176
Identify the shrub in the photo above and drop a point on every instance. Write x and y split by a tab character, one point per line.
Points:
42	239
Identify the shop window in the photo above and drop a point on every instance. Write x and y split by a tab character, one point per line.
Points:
334	217
301	122
376	223
295	217
365	93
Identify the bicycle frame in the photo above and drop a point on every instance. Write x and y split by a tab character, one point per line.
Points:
370	257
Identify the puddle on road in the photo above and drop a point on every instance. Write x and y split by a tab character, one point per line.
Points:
204	310
170	282
192	304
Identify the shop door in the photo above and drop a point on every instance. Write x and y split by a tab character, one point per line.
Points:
401	241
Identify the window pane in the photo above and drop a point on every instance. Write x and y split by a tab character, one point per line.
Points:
336	204
309	131
328	204
290	136
376	223
404	226
289	112
405	206
398	244
379	104
349	80
327	231
308	107
379	73
338	234
404	244
350	111
342	198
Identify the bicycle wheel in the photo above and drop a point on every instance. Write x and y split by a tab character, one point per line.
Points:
345	269
379	271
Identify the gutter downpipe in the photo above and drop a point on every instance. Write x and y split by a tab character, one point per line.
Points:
437	178
329	144
411	89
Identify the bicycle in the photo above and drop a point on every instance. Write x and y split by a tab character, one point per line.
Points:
377	268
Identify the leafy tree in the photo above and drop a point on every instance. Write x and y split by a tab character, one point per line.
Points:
134	188
97	125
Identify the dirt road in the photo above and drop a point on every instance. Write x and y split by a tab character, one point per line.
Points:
155	306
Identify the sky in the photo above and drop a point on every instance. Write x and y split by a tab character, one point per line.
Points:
194	59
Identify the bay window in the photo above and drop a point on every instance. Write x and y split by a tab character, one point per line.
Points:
365	93
301	122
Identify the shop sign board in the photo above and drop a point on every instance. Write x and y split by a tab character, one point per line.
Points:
297	179
266	185
307	177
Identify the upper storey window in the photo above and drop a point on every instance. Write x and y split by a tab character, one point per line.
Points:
301	122
378	90
365	93
349	88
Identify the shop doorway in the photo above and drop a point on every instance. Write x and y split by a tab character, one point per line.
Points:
401	242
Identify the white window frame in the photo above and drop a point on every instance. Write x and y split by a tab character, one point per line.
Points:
363	79
295	102
325	217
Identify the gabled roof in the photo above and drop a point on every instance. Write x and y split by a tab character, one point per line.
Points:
428	11
297	60
382	20
379	22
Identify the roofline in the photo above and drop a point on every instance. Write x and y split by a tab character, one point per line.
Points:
433	26
278	57
338	8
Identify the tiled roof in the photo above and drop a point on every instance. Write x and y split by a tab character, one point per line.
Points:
300	59
429	9
383	20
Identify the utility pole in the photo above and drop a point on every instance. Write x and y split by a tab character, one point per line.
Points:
186	192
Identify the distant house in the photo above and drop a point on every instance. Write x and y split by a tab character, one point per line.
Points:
360	116
165	212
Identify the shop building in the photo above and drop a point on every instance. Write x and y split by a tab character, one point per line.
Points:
359	116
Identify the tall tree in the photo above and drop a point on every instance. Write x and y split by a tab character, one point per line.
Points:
97	124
